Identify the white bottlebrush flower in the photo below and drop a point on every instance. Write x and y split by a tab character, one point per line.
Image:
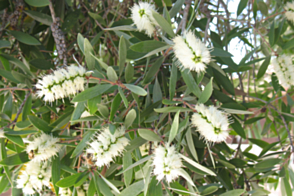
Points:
62	83
211	123
106	146
64	192
190	52
34	177
167	163
289	11
43	147
143	18
284	69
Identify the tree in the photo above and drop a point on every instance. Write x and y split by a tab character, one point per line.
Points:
146	98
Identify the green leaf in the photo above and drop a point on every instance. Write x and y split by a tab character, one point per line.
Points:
233	192
133	189
225	82
136	89
92	104
191	145
8	75
18	63
238	128
271	35
40	124
143	160
103	188
260	143
83	143
79	109
164	25
172	109
81	41
104	111
91	92
89	52
38	3
220	53
121	93
114	106
197	165
25	38
191	83
205	95
40	17
153	70
263	67
122	54
5	44
92	188
68	181
208	190
253	120
131	116
15	139
127	161
149	135
111	74
27	108
98	18
288	45
55	172
173	81
157	93
18	133
15	159
147	46
242	5
177	187
176	8
267	163
135	143
174	128
129	73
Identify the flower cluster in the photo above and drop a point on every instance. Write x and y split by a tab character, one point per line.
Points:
284	68
62	83
143	18
190	52
33	177
289	11
211	123
106	146
65	192
43	147
167	163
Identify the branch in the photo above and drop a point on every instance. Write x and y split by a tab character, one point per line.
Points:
20	109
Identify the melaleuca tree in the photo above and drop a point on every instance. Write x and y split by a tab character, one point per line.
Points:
146	98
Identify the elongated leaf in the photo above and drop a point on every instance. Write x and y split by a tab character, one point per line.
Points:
37	3
205	95
220	53
122	54
136	89
149	135
263	67
153	70
172	109
68	181
15	139
197	165
89	52
241	6
191	145
176	8
55	173
233	192
131	116
27	108
134	189
114	106
143	160
25	38
163	24
174	128
15	159
147	46
191	83
127	161
83	143
173	81
38	16
111	74
91	92
40	124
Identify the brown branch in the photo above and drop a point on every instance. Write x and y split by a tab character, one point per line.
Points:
20	109
15	89
183	22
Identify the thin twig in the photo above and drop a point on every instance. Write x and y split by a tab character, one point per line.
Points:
20	109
